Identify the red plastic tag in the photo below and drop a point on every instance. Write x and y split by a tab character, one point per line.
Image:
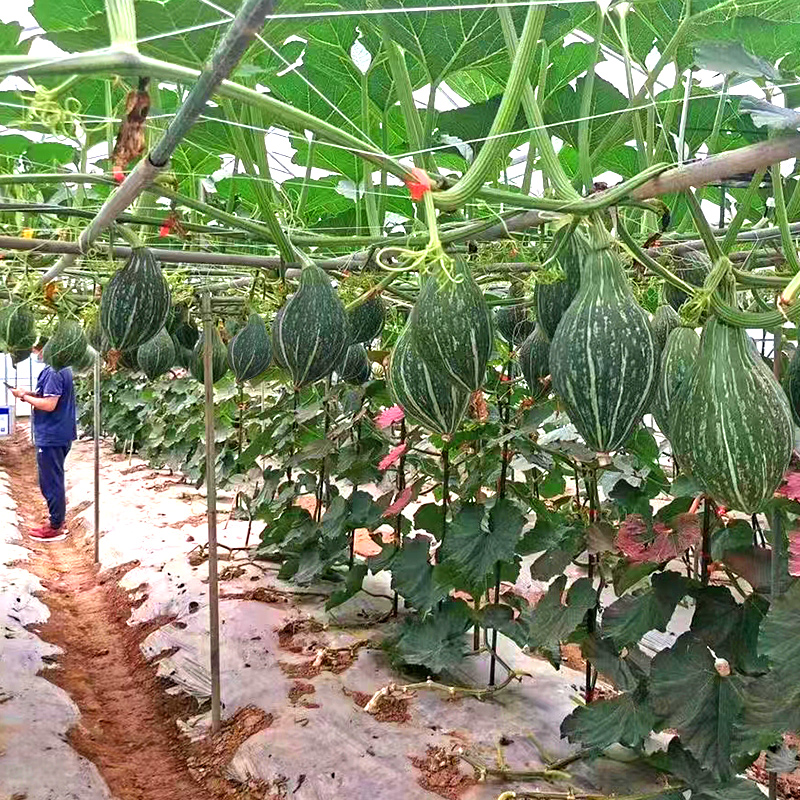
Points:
418	183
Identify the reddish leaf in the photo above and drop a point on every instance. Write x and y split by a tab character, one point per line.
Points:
389	416
403	499
393	457
791	487
794	553
663	543
418	183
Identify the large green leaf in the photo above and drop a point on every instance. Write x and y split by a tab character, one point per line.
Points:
437	640
688	694
477	541
551	621
631	617
627	719
780	634
417	581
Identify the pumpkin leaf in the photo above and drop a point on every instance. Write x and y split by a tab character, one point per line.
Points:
417	581
689	695
730	58
663	543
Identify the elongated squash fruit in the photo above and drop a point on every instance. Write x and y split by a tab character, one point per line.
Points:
451	325
514	324
355	367
250	350
424	393
367	320
677	359
17	327
219	358
67	346
553	299
156	357
693	266
664	321
603	355
311	334
534	360
135	303
791	384
731	424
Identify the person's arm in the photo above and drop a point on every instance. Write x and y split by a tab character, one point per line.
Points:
47	403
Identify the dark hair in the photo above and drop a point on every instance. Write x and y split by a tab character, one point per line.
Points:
40	343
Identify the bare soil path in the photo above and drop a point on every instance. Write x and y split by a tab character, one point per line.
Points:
126	727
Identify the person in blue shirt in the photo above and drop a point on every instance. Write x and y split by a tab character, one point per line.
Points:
54	431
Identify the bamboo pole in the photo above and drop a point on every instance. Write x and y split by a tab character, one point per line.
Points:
211	502
97	360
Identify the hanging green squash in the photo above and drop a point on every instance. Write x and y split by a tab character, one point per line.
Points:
791	383
66	346
276	354
156	357
311	335
423	392
86	362
135	303
514	324
534	361
677	359
186	334
126	359
731	424
603	355
20	355
691	265
219	358
367	320
452	328
355	367
553	299
250	350
17	327
664	321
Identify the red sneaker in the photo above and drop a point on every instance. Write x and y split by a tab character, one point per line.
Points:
47	533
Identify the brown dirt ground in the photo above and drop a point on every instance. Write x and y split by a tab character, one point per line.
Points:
441	773
390	709
127	725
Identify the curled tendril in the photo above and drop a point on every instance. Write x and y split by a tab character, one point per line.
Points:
432	255
46	110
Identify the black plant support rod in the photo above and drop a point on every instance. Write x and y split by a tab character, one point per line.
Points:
247	23
591	616
398	520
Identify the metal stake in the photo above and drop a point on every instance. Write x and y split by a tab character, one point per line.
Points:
96	428
211	501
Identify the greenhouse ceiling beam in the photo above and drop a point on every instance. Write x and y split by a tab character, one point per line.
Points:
247	23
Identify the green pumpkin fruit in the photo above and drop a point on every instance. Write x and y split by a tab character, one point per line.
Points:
677	359
135	303
534	361
553	299
17	327
664	321
603	355
355	367
514	324
693	266
424	393
367	320
452	328
219	358
731	425
250	350
311	334
156	357
66	346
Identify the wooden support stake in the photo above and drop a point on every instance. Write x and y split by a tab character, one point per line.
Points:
211	501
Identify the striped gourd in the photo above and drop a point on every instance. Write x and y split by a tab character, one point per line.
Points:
311	334
367	320
156	357
423	392
17	327
126	359
250	351
183	355
553	299
791	384
86	362
603	355
664	321
276	321
219	358
514	324
186	334
66	346
451	325
693	266
19	355
534	361
731	425
135	303
677	359
355	367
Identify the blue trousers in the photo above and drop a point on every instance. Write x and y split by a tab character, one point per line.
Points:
50	461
